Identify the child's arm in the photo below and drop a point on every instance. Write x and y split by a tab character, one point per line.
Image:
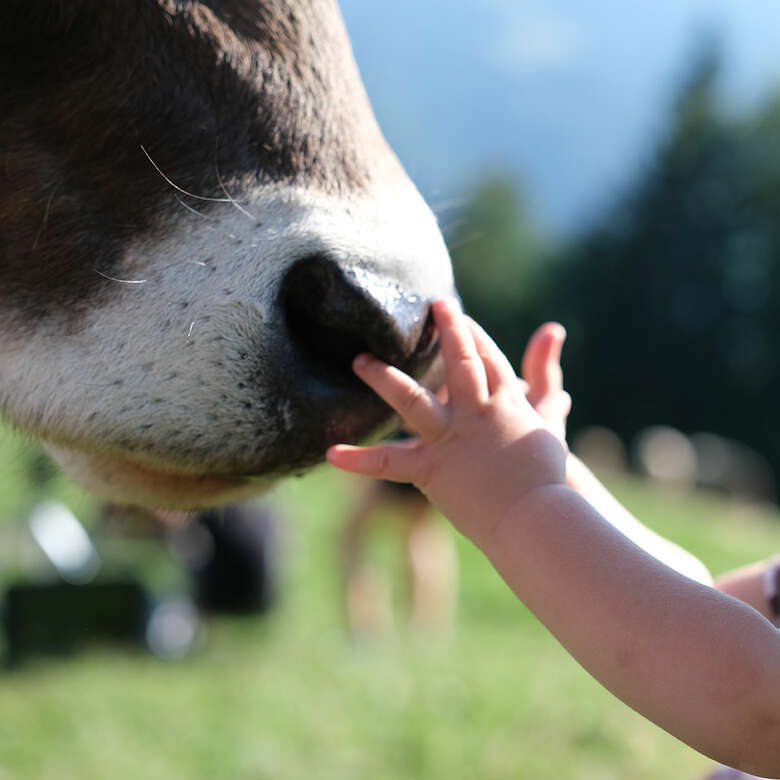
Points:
544	386
701	664
753	584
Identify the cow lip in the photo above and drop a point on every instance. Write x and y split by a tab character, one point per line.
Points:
123	481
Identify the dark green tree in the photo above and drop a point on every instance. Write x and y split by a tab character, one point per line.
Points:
498	258
672	300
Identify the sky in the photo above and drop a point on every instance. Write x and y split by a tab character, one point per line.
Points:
568	96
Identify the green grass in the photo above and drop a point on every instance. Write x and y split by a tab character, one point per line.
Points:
290	697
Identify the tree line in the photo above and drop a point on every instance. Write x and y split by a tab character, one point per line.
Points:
672	298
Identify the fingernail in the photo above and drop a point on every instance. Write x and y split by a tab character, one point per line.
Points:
360	362
450	304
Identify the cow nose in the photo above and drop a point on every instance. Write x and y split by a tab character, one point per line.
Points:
334	312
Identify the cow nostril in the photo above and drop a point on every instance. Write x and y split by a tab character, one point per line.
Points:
328	347
333	314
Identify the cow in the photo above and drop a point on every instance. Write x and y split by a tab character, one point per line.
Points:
200	226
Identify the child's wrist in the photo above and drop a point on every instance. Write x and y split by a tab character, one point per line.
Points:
528	508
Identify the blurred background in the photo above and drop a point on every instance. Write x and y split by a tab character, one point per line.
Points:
613	166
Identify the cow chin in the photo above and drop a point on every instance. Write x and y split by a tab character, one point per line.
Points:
121	481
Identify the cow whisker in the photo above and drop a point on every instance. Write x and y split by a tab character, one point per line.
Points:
45	221
145	281
224	188
232	199
192	327
120	281
196	212
178	188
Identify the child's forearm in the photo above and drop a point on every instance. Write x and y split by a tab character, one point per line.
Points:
581	478
699	663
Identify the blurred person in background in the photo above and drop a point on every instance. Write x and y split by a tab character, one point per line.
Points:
430	566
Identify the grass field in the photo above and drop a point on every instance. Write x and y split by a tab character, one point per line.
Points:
290	697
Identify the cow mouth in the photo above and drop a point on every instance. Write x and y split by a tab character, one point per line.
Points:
125	480
122	481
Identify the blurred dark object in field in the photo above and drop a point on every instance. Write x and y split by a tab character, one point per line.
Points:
60	618
79	599
45	617
232	554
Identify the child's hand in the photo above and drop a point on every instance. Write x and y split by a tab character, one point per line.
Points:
544	378
479	453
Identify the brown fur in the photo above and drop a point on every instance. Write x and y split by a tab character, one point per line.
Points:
234	360
210	89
